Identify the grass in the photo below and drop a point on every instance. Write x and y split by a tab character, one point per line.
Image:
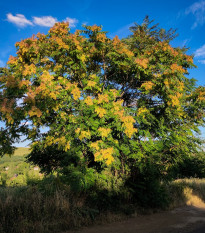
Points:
187	192
21	151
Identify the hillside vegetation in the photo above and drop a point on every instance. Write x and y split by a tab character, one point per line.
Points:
14	170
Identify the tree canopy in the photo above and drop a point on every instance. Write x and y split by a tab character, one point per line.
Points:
106	102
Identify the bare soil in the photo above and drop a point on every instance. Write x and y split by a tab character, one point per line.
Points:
186	219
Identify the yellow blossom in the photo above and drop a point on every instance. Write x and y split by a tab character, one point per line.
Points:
84	134
77	131
100	111
104	132
34	112
174	67
29	69
105	154
117	105
95	145
142	62
67	146
88	101
83	58
76	93
142	111
91	83
103	98
13	60
148	85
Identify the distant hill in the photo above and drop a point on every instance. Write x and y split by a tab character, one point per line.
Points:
21	151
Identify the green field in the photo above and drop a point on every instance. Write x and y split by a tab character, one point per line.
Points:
14	170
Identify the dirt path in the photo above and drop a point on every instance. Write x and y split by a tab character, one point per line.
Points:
180	220
187	219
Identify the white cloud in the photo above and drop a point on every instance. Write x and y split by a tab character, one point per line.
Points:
201	61
45	21
20	20
198	10
72	22
200	52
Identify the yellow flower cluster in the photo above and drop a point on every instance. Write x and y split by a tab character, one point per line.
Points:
35	112
68	85
174	67
88	101
120	113
84	134
76	93
61	141
46	77
166	82
95	28
201	95
77	131
128	122
49	140
175	99
124	50
116	41
58	67
148	85
189	58
114	92
105	154
142	62
101	37
100	111
103	98
95	145
6	106
60	28
117	105
104	132
61	43
11	82
30	96
91	83
142	111
180	86
83	58
24	83
12	60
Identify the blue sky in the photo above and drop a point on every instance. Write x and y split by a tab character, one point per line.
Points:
21	19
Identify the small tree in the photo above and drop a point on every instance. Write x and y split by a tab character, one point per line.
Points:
123	104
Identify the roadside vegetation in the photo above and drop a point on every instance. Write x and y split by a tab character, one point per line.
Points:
47	204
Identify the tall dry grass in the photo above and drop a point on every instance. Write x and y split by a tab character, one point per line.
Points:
24	210
187	192
52	209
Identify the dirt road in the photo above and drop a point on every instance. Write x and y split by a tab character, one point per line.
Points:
187	219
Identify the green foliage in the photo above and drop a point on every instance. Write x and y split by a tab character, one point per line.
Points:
190	167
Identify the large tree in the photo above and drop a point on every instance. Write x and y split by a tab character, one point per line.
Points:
114	103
